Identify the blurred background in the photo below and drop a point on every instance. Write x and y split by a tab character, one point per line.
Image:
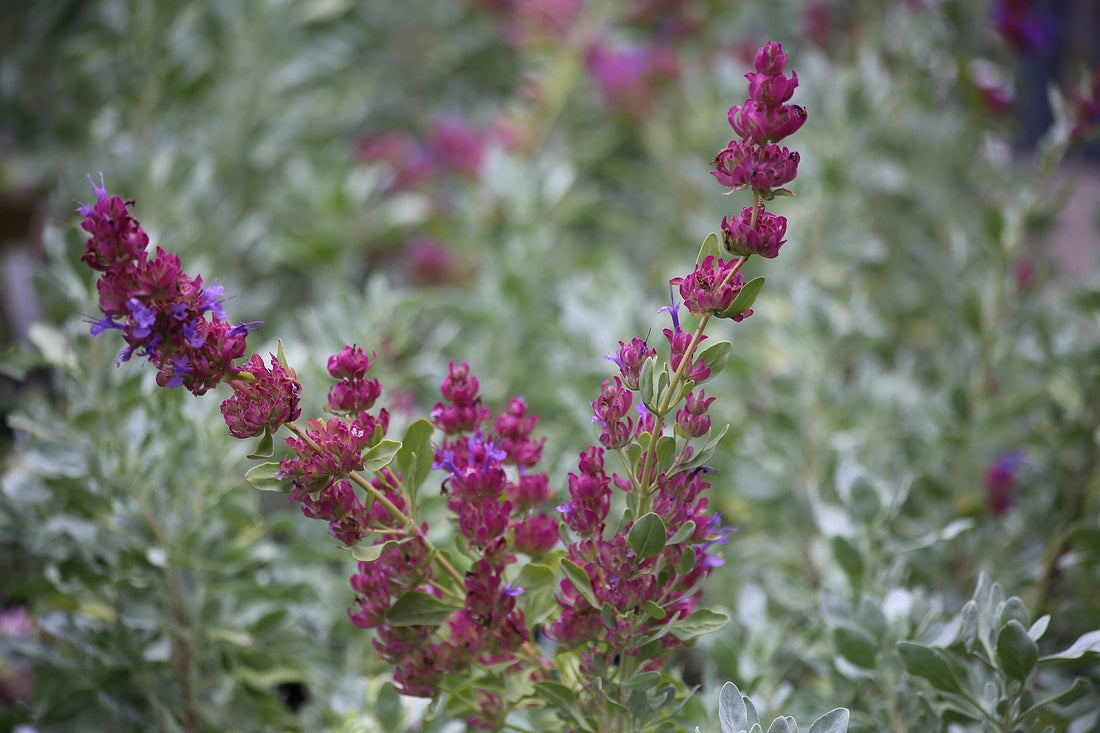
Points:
512	183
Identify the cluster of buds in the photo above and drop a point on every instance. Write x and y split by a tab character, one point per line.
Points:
159	309
755	161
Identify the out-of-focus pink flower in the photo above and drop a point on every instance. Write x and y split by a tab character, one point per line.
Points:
430	262
1024	25
628	76
457	146
1000	481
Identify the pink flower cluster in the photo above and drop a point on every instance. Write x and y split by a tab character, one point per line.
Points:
671	580
331	450
160	310
631	584
711	288
755	161
496	499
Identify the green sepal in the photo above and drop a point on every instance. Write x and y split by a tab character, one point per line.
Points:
381	455
712	245
416	608
647	535
265	448
575	574
745	298
264	477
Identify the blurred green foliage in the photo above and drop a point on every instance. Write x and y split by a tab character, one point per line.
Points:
895	351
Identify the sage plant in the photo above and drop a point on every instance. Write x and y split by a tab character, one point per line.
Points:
626	552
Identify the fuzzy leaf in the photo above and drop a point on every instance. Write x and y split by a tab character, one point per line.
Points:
783	725
834	721
733	716
264	477
1088	643
535	577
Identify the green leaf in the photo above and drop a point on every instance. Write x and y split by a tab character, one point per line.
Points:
703	621
644	681
647	535
686	531
687	560
414	459
381	455
715	357
666	450
645	383
1088	643
264	477
654	611
707	452
1039	627
1014	609
1075	692
1017	653
849	558
562	698
712	245
387	707
834	721
416	608
576	575
535	577
744	299
855	646
931	664
265	448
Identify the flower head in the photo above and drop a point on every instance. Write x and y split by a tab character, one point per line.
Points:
262	402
